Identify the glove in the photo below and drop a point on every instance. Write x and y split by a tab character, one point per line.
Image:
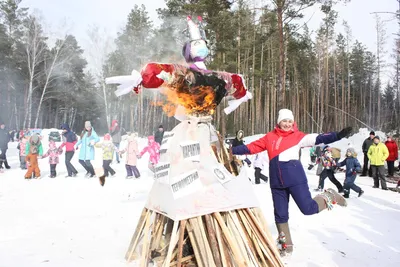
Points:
345	132
354	173
76	148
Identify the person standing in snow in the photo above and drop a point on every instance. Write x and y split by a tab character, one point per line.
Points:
287	176
69	144
108	148
116	134
4	139
238	141
22	153
352	167
53	153
33	150
365	147
153	148
131	157
329	165
86	154
313	158
377	154
260	162
393	155
159	135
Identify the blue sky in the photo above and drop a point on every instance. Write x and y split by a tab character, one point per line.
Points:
111	15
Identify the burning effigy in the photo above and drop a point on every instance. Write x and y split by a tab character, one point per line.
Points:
201	210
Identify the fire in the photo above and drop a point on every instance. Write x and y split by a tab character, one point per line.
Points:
197	100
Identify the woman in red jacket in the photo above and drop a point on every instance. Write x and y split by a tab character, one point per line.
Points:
393	155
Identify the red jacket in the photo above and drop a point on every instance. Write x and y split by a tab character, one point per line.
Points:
393	150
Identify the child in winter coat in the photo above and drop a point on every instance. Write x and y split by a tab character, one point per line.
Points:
53	153
352	167
22	154
328	163
153	148
108	148
33	149
131	157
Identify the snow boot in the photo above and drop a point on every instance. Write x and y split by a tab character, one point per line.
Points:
327	199
346	193
361	193
285	244
102	180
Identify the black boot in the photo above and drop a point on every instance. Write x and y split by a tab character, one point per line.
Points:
6	165
360	193
346	194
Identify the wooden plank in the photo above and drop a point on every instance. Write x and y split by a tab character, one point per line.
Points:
239	260
200	241
185	259
172	244
182	229
210	257
222	250
239	241
136	235
195	246
252	238
146	241
213	240
158	233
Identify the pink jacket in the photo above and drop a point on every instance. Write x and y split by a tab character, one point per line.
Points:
153	149
53	153
131	151
22	147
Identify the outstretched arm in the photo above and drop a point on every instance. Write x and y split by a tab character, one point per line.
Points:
252	148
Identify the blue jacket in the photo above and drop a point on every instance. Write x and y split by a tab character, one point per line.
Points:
285	168
87	149
352	165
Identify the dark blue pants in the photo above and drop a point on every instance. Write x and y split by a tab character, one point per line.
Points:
301	195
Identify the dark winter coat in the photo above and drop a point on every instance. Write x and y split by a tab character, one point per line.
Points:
70	139
238	141
393	150
158	136
4	139
115	132
367	143
352	167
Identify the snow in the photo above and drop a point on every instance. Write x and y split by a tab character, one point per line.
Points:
76	222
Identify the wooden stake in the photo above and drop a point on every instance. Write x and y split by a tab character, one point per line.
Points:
220	243
182	229
172	244
146	241
235	249
213	240
195	246
136	235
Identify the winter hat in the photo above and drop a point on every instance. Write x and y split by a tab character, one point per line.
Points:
285	114
35	139
377	137
150	138
372	133
107	137
88	124
161	127
351	150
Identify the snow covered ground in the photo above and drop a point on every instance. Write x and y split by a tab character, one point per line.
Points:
76	222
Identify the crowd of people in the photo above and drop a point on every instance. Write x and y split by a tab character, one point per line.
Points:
31	150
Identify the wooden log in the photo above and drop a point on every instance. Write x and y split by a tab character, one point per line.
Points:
213	240
136	235
146	241
158	232
223	251
202	242
252	238
230	240
239	241
182	229
205	241
185	259
172	244
195	246
264	245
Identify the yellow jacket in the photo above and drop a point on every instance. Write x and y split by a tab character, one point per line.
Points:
377	154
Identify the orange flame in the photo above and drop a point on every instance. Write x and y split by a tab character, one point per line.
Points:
197	100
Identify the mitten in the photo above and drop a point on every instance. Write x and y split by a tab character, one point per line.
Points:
345	132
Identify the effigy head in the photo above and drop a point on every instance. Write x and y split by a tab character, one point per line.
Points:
196	48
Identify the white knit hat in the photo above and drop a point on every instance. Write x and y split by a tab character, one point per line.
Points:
285	114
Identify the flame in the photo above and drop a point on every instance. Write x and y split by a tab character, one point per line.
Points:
197	100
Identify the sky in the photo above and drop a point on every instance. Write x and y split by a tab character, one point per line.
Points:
77	16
